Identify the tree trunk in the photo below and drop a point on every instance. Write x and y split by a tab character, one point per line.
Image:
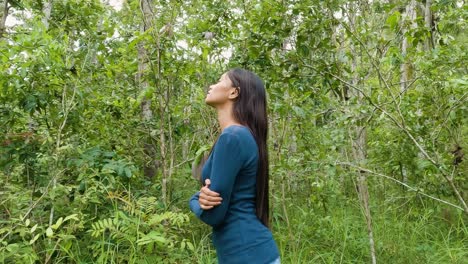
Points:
150	168
360	154
6	8
46	10
94	51
405	67
359	143
45	20
428	44
147	114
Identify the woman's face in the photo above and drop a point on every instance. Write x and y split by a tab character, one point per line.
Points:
221	92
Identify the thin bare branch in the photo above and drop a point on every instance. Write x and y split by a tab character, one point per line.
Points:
404	129
358	168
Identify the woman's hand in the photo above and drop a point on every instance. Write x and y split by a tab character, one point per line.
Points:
208	199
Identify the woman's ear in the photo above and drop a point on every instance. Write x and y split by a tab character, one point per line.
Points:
234	93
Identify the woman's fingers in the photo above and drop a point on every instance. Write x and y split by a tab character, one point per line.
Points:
205	207
208	199
207	190
209	194
205	202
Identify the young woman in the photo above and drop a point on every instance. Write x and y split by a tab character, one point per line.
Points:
234	200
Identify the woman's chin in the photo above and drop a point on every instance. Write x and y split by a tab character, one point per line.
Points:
210	103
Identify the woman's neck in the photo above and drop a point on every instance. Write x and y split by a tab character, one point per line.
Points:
225	117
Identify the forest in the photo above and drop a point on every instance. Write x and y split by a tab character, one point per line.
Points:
102	115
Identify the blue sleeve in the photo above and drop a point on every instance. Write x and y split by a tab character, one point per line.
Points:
226	164
194	205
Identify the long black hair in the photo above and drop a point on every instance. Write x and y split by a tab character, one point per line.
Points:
250	110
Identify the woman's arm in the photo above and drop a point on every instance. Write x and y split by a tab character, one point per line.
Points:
226	164
206	199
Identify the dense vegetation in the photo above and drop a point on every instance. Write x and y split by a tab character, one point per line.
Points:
102	115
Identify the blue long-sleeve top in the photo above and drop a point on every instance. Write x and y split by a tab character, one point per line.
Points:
238	235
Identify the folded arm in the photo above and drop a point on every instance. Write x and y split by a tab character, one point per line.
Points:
226	164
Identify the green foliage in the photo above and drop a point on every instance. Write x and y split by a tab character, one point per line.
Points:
74	146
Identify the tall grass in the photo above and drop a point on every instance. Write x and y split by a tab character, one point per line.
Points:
413	235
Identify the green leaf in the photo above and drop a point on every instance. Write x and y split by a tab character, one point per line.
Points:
58	223
151	237
190	246
49	232
12	247
73	216
33	228
16	4
299	111
34	239
392	21
128	172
